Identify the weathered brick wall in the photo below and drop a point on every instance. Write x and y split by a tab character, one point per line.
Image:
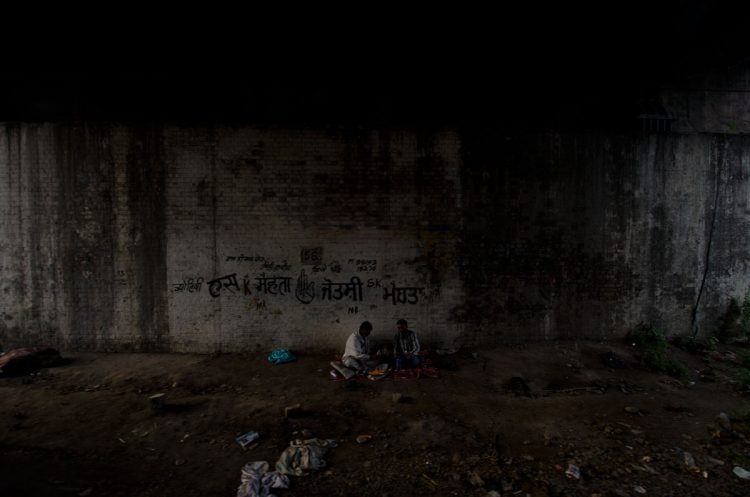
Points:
117	237
296	236
226	239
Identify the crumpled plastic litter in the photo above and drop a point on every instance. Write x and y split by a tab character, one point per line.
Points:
741	472
303	455
257	481
280	356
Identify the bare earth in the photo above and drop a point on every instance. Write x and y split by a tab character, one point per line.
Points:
86	428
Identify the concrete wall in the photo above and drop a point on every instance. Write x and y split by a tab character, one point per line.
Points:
588	234
225	239
117	237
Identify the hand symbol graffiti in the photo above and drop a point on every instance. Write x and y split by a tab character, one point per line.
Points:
305	290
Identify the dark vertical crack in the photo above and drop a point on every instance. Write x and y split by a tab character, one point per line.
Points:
706	266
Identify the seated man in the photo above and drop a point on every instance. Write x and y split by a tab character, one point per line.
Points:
357	351
406	346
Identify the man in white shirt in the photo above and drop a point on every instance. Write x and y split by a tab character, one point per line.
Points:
357	351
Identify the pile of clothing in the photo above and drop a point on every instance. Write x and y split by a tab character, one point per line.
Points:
300	457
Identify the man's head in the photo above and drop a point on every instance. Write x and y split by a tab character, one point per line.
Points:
401	325
365	328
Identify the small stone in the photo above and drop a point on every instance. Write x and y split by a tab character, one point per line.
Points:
475	479
639	489
367	464
724	421
741	473
157	401
179	462
632	410
573	472
307	433
689	461
361	439
86	492
396	397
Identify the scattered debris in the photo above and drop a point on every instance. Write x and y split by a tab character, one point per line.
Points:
257	481
281	356
303	456
292	411
430	480
573	472
344	371
157	401
247	439
724	421
691	466
475	479
361	439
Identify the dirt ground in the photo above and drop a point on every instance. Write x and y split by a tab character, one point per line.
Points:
509	420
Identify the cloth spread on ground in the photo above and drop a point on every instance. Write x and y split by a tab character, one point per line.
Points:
25	360
426	370
257	481
303	455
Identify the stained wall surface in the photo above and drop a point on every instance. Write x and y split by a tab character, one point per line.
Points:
136	237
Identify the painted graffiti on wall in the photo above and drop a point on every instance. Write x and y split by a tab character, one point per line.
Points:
311	256
227	282
333	267
337	291
189	285
365	264
272	285
244	258
305	289
403	295
316	280
309	284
